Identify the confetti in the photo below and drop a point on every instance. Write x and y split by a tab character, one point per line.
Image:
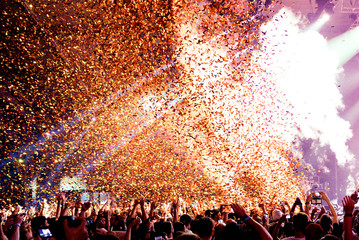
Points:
150	98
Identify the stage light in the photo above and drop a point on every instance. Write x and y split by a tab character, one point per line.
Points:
346	46
323	6
324	18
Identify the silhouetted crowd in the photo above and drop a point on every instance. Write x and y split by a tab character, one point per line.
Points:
143	219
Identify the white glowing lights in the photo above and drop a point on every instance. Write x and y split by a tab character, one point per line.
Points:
306	71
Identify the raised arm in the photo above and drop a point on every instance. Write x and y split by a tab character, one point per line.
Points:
175	205
265	217
297	202
77	208
263	233
133	223
348	205
42	207
224	213
59	206
332	210
19	218
84	208
65	208
308	204
108	220
133	211
153	208
144	215
2	234
68	209
286	204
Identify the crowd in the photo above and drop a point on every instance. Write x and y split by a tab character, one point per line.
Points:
143	219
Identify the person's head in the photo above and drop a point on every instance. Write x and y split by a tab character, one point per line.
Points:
115	219
102	222
276	214
300	222
207	213
330	237
218	231
158	226
326	223
288	229
39	222
232	231
215	215
205	227
186	220
178	227
167	227
313	231
187	236
176	234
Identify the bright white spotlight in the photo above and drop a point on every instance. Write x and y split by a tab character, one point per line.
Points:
324	18
306	71
346	45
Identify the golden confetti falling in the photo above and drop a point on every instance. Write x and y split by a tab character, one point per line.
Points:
151	98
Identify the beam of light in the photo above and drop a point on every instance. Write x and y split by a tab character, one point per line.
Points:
346	45
144	120
307	71
86	116
317	25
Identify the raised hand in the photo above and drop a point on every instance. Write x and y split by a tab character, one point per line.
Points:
324	196
2	234
348	205
298	201
19	218
238	209
176	203
263	233
153	205
27	230
63	197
